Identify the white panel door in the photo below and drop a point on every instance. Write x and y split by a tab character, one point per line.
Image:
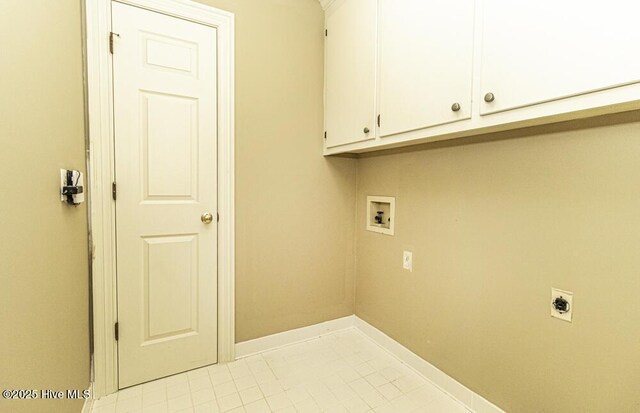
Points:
350	71
538	51
426	63
164	72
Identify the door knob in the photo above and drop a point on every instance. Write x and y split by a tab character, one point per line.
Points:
206	218
366	130
455	107
489	97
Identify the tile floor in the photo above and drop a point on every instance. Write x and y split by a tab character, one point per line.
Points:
341	372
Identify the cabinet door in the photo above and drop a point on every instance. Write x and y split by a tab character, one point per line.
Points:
350	71
544	50
426	59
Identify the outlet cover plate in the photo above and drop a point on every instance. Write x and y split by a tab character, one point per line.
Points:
407	261
567	295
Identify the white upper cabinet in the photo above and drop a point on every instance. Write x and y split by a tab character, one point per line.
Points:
546	50
442	69
426	63
350	71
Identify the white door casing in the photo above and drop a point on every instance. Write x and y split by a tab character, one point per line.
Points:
165	152
102	174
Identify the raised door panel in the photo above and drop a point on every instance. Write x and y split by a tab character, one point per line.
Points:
350	71
170	272
540	51
426	63
170	152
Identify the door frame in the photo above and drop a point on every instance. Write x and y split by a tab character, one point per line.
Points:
98	78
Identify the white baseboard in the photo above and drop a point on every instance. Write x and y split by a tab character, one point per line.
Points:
88	403
248	348
465	396
470	399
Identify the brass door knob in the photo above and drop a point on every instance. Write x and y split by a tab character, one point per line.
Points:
455	107
489	97
206	218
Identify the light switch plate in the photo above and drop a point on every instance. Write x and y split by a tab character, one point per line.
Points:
407	261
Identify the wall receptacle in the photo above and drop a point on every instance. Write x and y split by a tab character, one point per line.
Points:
407	261
562	304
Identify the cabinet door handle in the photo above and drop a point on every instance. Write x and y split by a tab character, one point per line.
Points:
489	97
366	130
455	107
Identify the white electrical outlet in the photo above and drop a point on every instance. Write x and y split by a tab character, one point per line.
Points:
562	304
407	261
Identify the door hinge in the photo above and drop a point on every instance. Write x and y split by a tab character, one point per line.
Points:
111	36
217	217
116	331
114	191
378	120
326	32
325	135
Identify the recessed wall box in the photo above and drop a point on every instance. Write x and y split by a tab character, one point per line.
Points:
381	212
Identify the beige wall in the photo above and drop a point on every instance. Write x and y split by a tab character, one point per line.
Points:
493	226
44	341
294	209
